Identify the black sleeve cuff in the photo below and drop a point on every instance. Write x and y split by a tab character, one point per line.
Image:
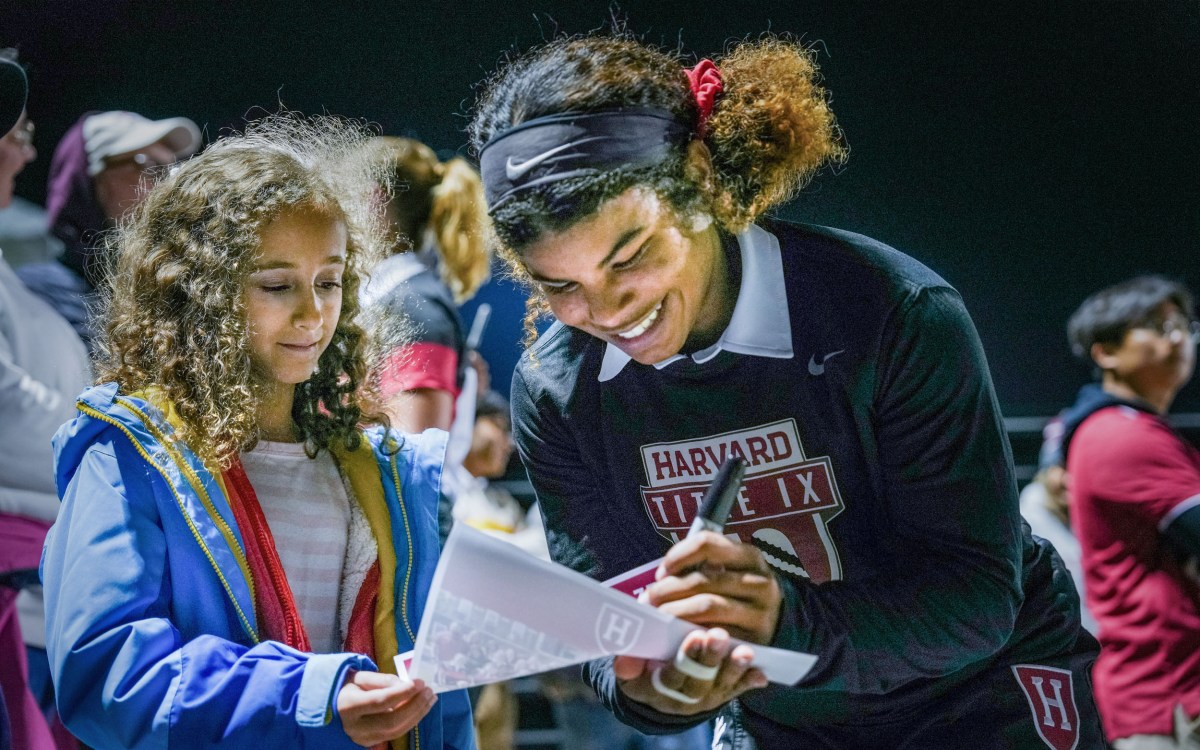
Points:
599	674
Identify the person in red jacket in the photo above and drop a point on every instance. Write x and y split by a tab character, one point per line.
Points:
1136	489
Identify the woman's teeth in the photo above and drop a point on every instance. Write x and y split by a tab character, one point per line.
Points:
641	328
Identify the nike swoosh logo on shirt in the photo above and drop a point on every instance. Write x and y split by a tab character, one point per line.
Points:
514	170
819	369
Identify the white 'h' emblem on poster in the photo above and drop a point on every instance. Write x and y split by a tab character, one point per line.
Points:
617	630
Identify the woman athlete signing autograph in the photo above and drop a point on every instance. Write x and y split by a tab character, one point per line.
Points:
878	525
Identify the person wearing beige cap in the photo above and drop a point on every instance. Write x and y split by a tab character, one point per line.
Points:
100	170
122	147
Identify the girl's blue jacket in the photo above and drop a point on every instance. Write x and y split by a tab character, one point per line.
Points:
150	622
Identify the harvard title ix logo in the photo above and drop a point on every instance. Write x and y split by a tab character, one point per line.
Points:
784	506
1052	701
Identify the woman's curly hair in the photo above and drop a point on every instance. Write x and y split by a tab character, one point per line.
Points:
175	316
770	132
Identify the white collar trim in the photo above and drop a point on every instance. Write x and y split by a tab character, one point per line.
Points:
760	325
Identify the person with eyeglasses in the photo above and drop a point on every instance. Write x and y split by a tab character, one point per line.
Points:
1135	486
100	171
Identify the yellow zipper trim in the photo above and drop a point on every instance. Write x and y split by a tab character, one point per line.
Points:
198	487
408	534
368	483
407	571
182	507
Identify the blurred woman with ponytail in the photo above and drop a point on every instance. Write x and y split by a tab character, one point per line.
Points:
877	525
436	219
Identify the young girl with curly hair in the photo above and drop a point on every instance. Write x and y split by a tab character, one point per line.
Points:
236	560
877	526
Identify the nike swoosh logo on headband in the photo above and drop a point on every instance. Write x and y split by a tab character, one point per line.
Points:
515	170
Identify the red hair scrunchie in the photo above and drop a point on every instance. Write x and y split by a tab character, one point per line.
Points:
706	85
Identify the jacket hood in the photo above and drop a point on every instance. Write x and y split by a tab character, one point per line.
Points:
74	438
73	213
101	410
1091	399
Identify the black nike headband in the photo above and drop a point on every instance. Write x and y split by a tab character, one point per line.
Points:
570	144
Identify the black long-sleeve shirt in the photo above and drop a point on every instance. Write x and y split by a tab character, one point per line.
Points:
880	483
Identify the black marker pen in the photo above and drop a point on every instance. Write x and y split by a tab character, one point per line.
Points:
718	499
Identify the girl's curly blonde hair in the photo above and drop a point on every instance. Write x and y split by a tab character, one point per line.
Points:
175	318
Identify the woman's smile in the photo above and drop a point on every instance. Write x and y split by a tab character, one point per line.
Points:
643	326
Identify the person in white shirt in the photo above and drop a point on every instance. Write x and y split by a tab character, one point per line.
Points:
1045	505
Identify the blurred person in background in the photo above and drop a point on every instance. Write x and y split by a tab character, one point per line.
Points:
24	231
43	366
484	505
1046	506
435	214
1135	506
100	170
436	220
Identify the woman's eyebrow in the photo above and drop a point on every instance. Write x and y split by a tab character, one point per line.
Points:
621	242
625	238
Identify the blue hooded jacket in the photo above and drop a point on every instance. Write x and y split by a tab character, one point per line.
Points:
150	622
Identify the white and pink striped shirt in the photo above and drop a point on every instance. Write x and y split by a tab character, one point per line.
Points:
308	510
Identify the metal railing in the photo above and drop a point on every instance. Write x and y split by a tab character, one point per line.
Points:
1025	436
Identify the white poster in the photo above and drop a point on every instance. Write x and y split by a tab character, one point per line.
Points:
495	613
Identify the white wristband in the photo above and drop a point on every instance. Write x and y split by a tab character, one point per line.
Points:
693	668
663	690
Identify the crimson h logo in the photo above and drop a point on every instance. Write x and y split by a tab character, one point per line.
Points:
1051	699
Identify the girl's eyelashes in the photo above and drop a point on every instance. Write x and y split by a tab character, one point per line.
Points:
278	287
270	282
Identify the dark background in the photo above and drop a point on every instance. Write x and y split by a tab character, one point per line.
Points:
1030	153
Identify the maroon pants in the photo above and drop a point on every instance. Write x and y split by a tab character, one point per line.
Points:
21	542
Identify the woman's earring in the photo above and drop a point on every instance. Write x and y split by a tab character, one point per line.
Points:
700	222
